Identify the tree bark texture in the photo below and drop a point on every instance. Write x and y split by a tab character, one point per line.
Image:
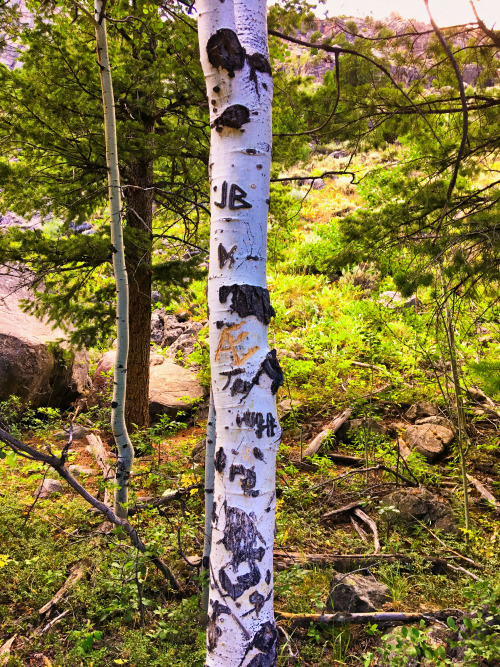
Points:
125	450
246	375
209	503
139	213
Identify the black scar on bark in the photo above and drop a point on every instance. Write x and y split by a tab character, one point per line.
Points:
258	63
225	51
248	300
213	631
240	537
258	601
268	577
270	367
249	479
226	255
230	375
234	116
265	641
214	512
220	460
258	454
243	582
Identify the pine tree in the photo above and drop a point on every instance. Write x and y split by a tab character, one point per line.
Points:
54	162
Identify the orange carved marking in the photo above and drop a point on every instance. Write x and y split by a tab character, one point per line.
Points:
228	343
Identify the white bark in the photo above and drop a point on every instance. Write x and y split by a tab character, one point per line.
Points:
209	503
245	373
125	450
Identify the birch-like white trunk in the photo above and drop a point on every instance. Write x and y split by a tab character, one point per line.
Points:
245	373
125	450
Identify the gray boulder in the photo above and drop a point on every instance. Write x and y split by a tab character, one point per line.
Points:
355	593
421	409
185	343
79	432
392	299
436	419
34	365
171	387
430	440
48	488
411	504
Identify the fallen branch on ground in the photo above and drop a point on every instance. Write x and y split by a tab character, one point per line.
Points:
379	617
332	428
456	553
373	527
342	510
76	573
347	562
164	500
484	492
97	449
58	465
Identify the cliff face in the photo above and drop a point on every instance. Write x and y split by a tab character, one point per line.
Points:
9	49
407	61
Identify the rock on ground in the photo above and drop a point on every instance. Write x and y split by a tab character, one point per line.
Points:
78	471
185	343
437	419
428	439
79	432
48	488
393	299
420	504
355	593
421	409
32	364
357	429
171	387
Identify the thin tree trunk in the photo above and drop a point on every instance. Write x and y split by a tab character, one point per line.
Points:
245	373
125	450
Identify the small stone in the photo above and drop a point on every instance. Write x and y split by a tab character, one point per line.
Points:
288	406
355	593
48	488
78	471
79	432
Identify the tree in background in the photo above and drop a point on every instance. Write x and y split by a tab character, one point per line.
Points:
53	162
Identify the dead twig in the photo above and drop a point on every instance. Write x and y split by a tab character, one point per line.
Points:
165	499
358	529
97	449
342	510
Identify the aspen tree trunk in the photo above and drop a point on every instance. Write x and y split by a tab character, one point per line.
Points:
245	374
125	450
209	504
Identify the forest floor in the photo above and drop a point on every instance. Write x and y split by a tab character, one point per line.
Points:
341	348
